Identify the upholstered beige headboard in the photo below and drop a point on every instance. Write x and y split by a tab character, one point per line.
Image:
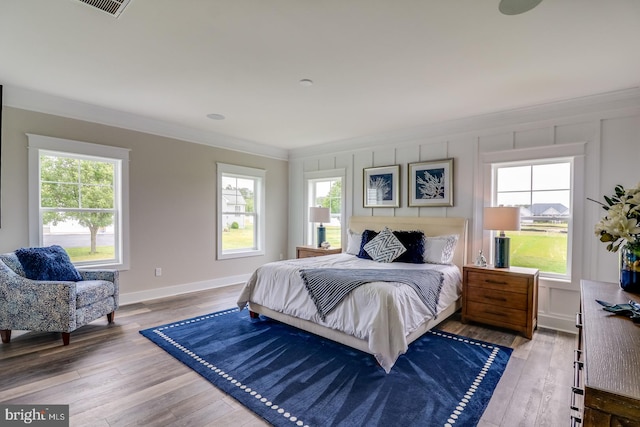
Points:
430	226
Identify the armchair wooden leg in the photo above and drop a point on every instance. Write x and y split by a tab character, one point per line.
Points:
111	316
66	337
6	335
253	315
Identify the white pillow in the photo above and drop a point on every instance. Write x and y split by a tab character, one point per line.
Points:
440	249
354	241
385	247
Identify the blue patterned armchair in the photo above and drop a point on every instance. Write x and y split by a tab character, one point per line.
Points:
55	306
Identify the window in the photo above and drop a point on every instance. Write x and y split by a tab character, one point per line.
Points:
240	211
326	191
78	193
542	189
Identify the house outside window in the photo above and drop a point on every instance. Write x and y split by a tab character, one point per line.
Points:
240	211
326	191
78	196
543	191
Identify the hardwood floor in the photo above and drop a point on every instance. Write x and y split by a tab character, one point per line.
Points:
110	375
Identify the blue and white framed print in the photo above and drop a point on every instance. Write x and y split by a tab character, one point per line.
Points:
431	183
381	187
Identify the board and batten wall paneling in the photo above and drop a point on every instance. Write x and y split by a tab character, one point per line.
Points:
611	134
619	164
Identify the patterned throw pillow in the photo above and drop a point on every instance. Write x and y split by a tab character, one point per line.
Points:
440	250
385	247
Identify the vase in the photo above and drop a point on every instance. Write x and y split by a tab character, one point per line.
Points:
630	267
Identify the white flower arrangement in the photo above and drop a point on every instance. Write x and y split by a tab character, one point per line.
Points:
621	224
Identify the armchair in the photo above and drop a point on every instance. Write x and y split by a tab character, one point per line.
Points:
55	306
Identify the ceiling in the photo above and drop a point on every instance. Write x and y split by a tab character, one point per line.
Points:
377	66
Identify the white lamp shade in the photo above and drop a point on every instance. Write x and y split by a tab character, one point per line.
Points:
318	214
501	218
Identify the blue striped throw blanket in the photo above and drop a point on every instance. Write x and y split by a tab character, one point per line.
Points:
329	286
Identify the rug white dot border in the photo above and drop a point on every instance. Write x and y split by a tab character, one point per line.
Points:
295	420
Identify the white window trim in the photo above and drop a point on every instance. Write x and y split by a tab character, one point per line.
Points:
38	143
575	152
308	233
260	174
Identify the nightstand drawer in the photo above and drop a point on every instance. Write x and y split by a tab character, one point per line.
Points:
501	282
497	315
513	300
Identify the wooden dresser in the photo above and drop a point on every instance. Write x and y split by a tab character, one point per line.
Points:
606	388
505	297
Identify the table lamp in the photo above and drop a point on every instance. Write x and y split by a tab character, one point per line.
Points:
318	214
500	219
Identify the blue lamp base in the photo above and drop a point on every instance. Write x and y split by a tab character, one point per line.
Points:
322	235
501	252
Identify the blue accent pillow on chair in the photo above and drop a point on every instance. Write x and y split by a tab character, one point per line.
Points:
47	263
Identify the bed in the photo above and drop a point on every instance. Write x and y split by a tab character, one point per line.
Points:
380	318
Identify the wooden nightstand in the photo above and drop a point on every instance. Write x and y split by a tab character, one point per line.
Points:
309	251
504	297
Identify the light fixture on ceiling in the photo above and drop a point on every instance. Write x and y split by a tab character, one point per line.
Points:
516	7
214	116
306	82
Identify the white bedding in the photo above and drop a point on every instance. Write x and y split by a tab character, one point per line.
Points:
381	313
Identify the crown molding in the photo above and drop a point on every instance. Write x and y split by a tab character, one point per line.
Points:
31	100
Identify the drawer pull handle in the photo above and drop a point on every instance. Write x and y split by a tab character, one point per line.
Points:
501	299
496	314
579	320
575	419
577	355
496	282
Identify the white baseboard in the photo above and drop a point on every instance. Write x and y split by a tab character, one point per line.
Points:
557	323
168	291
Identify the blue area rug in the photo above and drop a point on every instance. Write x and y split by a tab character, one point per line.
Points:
293	378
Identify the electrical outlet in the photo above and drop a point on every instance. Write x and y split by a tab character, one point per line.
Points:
281	257
158	272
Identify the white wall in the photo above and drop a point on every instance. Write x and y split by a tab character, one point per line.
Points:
609	125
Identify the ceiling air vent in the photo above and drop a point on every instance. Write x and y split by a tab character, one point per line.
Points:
112	7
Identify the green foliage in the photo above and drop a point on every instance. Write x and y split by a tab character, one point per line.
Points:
238	238
235	225
333	199
79	186
248	198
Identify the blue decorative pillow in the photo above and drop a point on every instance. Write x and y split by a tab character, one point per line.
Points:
367	236
47	263
413	241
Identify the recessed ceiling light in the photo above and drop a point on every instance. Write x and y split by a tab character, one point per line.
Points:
306	82
516	7
214	116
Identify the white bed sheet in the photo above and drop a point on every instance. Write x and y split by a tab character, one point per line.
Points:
381	313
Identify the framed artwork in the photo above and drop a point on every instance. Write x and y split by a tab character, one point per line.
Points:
431	183
381	187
